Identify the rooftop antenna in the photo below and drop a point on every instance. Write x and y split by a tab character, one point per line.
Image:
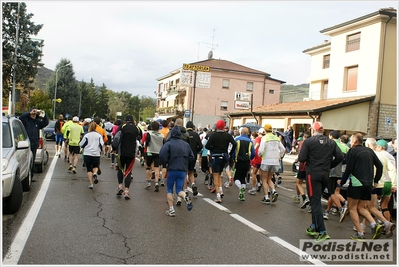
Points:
212	46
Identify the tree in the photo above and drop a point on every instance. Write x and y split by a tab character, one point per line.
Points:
67	89
41	100
28	51
102	102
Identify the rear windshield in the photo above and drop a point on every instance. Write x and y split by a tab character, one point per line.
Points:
7	143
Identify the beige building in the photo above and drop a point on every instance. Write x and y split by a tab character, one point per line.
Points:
353	81
208	90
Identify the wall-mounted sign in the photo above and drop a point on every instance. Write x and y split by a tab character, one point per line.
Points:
242	104
195	67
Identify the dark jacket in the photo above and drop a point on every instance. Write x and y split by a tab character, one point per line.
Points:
194	141
33	126
176	153
246	152
360	162
125	140
218	142
320	154
184	134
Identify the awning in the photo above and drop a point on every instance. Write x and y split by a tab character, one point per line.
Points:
337	119
163	117
171	97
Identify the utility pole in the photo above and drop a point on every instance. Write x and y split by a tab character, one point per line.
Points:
14	75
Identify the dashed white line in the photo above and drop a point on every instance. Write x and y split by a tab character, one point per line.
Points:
248	223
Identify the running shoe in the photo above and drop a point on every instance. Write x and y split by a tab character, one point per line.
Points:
95	179
195	190
358	237
91	186
343	212
188	203
70	167
120	190
389	229
74	170
361	226
322	237
376	231
241	196
126	194
170	213
274	196
252	191
266	201
325	215
178	201
162	182
148	185
221	194
227	185
218	199
312	231
334	211
296	199
156	187
305	203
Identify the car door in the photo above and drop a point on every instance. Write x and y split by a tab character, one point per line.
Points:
23	155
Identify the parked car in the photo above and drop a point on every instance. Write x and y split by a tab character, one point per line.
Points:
49	130
41	153
17	160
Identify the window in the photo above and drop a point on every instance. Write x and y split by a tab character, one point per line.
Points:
224	105
326	61
271	92
226	83
351	78
250	86
353	42
324	90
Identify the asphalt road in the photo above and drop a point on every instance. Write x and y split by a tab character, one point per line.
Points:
76	225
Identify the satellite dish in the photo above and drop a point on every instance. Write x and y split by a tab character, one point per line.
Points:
210	54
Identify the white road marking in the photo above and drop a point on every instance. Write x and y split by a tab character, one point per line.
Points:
17	246
294	249
248	223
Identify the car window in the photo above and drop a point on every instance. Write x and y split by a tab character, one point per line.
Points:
19	131
7	143
51	124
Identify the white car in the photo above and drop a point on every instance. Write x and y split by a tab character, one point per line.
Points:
41	153
16	163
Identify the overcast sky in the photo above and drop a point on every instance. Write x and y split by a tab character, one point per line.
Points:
127	45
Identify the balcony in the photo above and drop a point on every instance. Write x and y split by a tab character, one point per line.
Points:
170	111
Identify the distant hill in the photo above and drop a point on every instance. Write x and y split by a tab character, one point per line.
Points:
42	77
294	93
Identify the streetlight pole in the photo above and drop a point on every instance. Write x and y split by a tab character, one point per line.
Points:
55	90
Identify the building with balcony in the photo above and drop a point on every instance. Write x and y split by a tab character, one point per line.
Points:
353	81
206	91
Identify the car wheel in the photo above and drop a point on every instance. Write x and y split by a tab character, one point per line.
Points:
39	167
27	181
12	203
45	161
